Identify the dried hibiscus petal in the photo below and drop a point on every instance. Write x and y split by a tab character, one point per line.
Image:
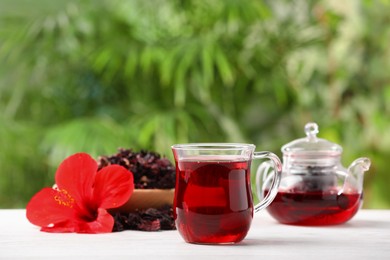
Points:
150	170
145	220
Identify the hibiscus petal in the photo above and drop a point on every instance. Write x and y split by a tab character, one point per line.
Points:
62	227
76	175
104	223
48	207
113	186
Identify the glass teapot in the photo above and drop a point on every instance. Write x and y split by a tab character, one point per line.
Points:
315	188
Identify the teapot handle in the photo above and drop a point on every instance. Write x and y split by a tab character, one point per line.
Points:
264	168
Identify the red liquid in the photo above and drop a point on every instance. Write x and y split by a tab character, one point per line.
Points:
315	208
213	201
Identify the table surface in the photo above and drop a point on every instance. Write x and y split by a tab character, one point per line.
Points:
366	236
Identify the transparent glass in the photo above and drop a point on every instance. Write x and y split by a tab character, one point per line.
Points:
315	188
213	199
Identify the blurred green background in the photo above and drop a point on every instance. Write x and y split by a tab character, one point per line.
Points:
93	76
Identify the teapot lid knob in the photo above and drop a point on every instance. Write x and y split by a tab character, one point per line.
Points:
311	130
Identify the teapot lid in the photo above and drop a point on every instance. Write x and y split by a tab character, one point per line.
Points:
311	147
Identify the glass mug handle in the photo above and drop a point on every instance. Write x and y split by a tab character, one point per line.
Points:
263	173
273	190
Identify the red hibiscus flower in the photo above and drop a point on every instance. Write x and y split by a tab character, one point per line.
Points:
80	199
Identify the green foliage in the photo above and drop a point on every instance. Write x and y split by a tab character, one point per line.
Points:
97	75
22	168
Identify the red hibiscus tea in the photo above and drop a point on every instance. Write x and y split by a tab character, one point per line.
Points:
213	201
314	208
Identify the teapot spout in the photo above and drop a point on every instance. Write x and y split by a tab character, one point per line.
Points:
360	165
356	171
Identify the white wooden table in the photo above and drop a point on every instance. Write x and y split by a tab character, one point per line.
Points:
366	236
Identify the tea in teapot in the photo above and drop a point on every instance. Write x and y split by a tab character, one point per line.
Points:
315	188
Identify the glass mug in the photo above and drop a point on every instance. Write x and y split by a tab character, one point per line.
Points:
213	201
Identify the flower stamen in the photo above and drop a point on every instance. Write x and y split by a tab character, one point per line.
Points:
64	198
